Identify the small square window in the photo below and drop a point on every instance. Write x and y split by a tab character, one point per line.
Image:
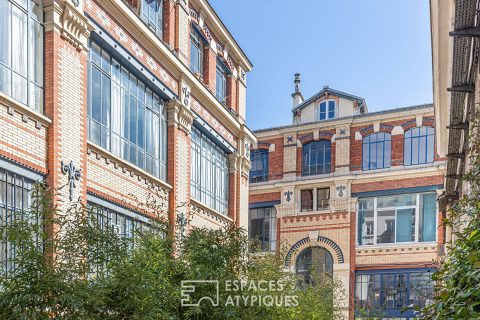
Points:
307	200
323	198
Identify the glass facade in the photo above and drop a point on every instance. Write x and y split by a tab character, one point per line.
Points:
377	151
419	146
326	110
196	52
125	116
397	219
15	199
388	293
259	169
316	158
263	227
209	172
21	51
152	15
221	83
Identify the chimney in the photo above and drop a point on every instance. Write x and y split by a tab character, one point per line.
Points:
297	95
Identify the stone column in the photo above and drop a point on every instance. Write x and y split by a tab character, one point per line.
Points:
66	45
182	31
180	120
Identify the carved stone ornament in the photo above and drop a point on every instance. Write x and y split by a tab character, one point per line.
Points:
340	190
288	195
73	174
180	115
75	26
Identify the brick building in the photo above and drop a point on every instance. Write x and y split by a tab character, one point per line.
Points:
354	194
114	101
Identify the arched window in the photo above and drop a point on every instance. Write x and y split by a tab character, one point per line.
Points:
326	110
377	149
419	146
315	261
316	158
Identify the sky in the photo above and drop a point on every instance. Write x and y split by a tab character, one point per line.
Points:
376	49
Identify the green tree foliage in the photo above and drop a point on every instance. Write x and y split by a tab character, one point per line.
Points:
458	278
86	270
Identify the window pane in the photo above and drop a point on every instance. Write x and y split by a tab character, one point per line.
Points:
405	225
397	201
365	222
428	217
307	200
386	226
19	41
5	33
323	198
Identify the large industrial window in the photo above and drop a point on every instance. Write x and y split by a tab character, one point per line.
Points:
259	170
314	259
316	158
419	145
389	293
209	172
377	149
221	83
21	51
196	52
263	227
152	15
15	201
326	110
125	116
397	219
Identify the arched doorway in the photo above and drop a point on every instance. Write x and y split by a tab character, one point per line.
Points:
312	263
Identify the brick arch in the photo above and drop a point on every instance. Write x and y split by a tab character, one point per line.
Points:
322	136
407	125
305	243
428	122
263	145
365	131
385	127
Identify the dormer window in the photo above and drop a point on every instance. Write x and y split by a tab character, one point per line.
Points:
326	110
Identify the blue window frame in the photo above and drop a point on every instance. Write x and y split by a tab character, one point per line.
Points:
263	227
419	146
221	83
152	15
125	115
316	158
209	172
196	52
21	51
326	110
259	170
388	293
377	149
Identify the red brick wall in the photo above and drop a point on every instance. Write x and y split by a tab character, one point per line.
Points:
209	68
169	23
232	93
397	184
275	160
262	197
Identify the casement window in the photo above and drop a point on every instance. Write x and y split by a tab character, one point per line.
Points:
397	219
315	199
221	83
209	172
419	146
15	202
196	52
21	51
125	115
326	110
377	151
152	15
259	169
316	259
263	227
316	158
391	292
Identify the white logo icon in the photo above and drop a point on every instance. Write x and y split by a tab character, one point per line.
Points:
190	286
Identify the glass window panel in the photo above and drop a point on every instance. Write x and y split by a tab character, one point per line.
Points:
386	226
405	225
323	198
428	217
19	42
366	222
307	200
397	201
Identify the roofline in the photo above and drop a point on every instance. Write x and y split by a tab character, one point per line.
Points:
333	91
365	115
242	53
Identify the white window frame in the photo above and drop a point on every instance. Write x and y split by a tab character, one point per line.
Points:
375	223
317	110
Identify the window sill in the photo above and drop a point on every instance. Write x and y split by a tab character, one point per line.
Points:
23	109
396	245
126	164
214	212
